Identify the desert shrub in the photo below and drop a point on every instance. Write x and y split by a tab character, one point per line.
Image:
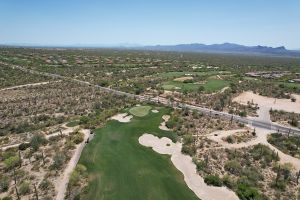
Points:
58	160
81	169
77	175
78	138
24	188
213	180
24	146
230	139
289	145
252	175
170	124
228	182
263	153
200	165
11	162
279	184
233	166
84	120
189	150
69	145
246	192
74	178
4	183
7	198
293	122
188	139
45	185
55	138
36	141
243	113
6	154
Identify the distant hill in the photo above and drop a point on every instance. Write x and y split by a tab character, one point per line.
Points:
224	48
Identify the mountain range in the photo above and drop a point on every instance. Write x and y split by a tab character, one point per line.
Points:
224	48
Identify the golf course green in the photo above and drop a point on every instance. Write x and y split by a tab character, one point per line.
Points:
119	168
140	111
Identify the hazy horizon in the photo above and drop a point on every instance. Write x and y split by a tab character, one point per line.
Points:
114	23
129	45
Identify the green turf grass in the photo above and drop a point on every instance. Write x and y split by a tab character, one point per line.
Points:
140	111
212	85
171	85
179	74
119	168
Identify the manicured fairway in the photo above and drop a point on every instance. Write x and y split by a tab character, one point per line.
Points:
140	111
176	85
186	73
120	168
212	85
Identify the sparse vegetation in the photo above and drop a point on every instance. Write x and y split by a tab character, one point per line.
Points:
289	144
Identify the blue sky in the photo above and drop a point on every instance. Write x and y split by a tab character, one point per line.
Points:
148	22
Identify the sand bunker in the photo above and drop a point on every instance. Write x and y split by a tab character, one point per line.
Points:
185	164
224	89
154	111
163	126
185	78
123	117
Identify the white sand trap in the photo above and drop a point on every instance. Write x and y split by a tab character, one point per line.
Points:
224	89
185	164
163	126
181	79
155	111
123	117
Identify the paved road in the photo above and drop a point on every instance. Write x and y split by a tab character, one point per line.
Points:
253	122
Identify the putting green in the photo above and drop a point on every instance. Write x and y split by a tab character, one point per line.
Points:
119	168
140	111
